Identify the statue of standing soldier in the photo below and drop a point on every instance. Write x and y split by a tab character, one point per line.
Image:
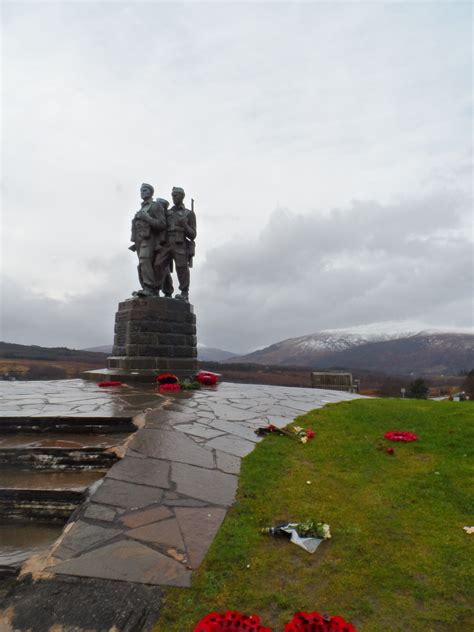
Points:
162	236
177	244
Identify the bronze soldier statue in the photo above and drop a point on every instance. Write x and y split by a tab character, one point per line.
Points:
147	226
177	243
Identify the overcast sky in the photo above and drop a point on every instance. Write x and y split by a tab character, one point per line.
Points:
327	146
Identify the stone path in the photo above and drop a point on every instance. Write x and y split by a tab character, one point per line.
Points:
71	398
152	518
155	514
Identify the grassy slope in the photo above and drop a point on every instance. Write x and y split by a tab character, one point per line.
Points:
399	558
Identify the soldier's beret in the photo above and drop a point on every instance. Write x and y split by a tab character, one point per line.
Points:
178	190
145	184
163	202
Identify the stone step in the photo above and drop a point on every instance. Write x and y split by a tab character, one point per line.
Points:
67	424
39	505
15	478
58	440
53	458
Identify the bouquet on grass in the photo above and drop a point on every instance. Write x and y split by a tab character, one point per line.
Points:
294	432
308	535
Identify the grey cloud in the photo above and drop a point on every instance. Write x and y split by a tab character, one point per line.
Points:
367	263
303	272
76	321
236	102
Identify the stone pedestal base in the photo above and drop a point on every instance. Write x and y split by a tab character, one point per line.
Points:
152	336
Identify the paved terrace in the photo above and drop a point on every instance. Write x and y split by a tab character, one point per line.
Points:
153	517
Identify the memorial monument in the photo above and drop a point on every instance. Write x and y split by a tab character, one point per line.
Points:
155	332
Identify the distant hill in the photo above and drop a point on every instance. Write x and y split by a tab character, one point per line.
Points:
402	353
211	354
104	349
206	354
35	352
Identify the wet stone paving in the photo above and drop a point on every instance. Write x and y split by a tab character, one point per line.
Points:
154	515
70	398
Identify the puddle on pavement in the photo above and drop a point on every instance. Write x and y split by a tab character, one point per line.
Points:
19	542
27	479
58	440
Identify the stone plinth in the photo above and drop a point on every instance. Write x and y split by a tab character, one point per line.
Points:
152	335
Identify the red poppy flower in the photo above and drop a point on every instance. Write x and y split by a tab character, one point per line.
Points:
167	378
230	622
316	622
112	383
400	435
170	388
310	434
390	451
206	378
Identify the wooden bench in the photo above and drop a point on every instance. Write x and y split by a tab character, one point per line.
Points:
334	381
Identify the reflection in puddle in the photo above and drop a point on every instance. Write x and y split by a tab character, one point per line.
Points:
19	542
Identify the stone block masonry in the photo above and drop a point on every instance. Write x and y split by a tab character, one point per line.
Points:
151	335
155	334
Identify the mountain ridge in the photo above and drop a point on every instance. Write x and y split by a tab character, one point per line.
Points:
426	351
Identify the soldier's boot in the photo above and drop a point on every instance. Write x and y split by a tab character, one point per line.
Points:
182	296
146	292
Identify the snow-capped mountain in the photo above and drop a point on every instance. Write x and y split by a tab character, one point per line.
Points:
388	347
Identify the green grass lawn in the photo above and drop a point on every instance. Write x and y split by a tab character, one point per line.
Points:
398	559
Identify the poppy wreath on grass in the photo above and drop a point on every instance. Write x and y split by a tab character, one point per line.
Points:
230	622
207	378
399	435
316	622
302	622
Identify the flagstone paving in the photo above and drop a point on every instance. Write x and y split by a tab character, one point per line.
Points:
71	398
153	517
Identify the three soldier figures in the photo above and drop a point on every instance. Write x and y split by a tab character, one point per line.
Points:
163	237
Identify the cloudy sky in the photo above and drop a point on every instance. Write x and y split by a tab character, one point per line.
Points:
327	146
